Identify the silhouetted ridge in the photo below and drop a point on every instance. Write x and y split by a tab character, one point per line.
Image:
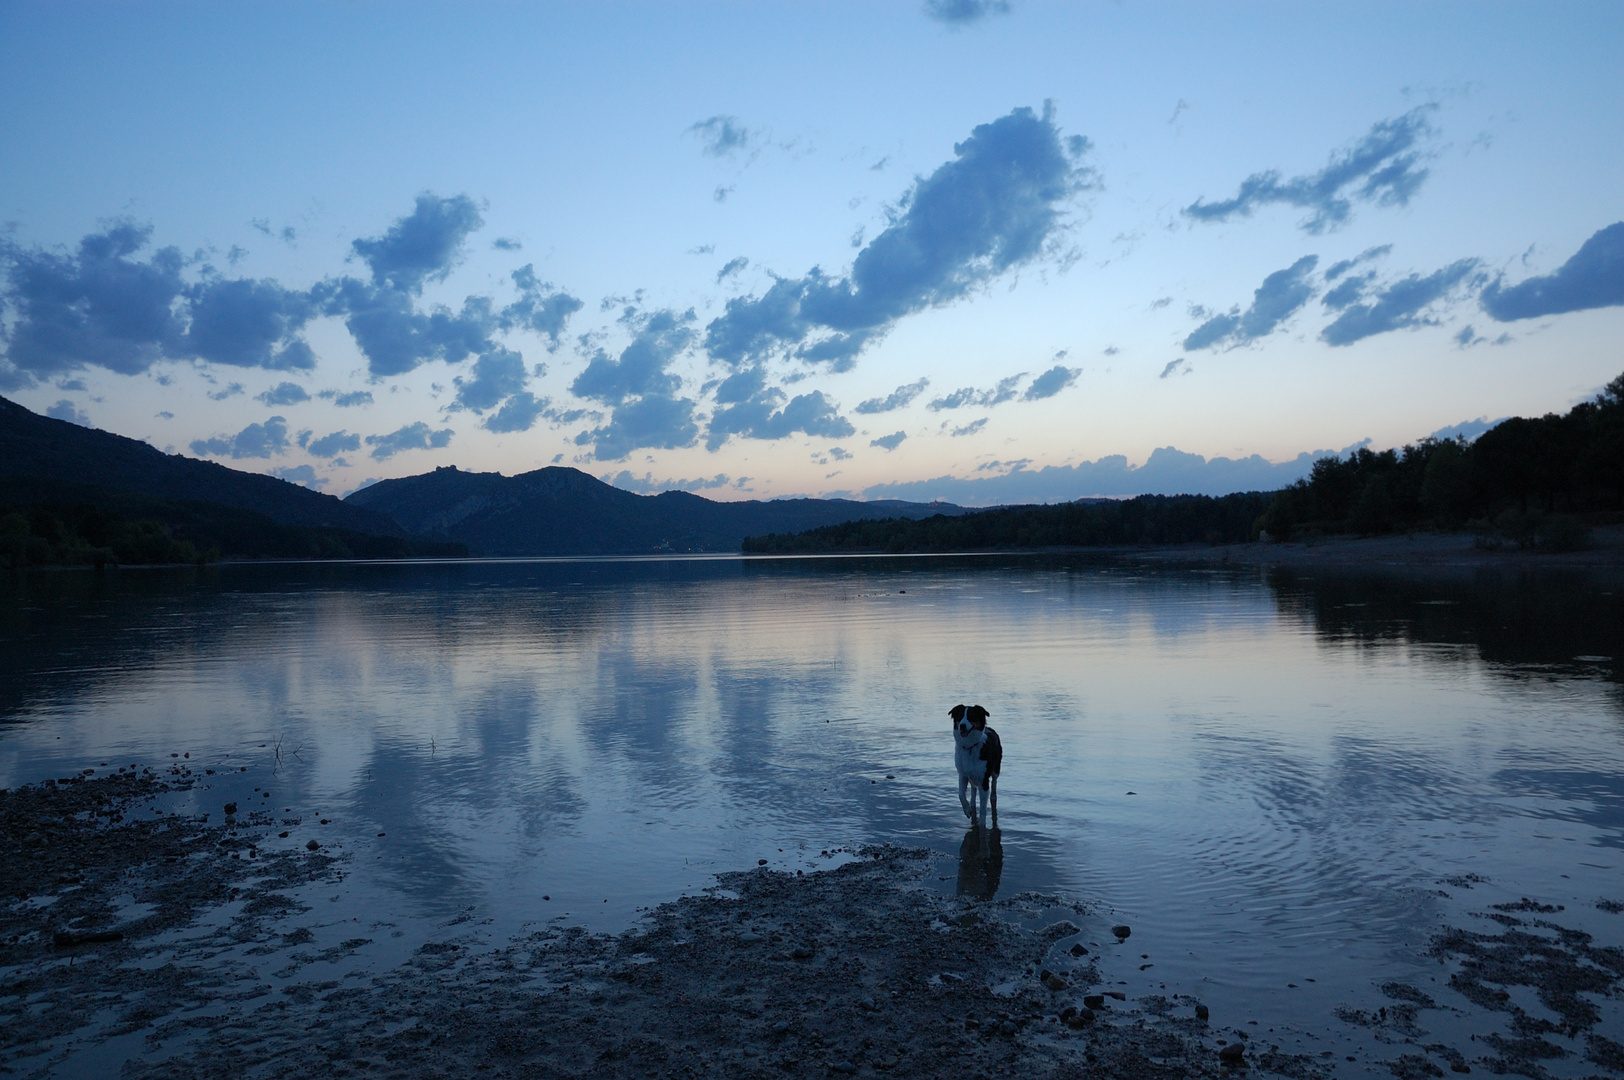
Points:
563	511
36	448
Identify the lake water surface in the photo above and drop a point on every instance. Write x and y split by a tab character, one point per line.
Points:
1285	785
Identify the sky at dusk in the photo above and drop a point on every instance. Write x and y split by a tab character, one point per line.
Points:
986	252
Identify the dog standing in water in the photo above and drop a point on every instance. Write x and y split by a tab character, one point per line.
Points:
978	755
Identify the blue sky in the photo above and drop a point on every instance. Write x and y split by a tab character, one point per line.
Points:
983	252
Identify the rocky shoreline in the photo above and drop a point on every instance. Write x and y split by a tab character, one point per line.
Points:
117	921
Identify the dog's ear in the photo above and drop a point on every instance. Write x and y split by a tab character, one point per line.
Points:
977	713
956	712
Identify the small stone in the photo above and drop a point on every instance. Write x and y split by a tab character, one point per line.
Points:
1094	1001
282	835
1078	950
1053	981
781	1027
1233	1054
1006	1027
312	845
231	808
842	1066
1201	1012
1121	931
761	862
801	952
867	1003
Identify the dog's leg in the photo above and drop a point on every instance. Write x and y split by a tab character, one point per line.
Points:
992	784
964	783
981	805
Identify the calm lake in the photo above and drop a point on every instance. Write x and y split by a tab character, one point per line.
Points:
1284	784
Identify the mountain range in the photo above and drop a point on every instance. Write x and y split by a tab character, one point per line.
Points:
563	511
551	511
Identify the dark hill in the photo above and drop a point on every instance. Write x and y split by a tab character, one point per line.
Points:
560	511
35	450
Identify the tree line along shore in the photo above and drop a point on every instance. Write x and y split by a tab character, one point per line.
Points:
1531	483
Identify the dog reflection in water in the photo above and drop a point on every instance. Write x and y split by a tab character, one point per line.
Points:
981	863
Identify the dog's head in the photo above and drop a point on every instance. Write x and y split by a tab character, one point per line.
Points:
969	721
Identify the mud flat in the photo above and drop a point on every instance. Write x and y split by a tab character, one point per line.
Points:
123	932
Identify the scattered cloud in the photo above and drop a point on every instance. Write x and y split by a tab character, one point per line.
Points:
540	307
663	423
956	13
733	266
1276	300
1405	303
1592	278
1381	168
165	415
1167	472
970	428
968	395
1466	429
301	474
416	436
889	442
994	207
749	408
67	410
231	390
253	441
896	399
839	453
647	485
395	337
348	400
520	413
283	394
722	136
1337	269
339	442
722	192
1181	364
497	374
503	243
641	368
1051	382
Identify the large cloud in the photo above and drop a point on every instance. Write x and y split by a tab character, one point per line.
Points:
422	246
1051	382
661	423
1592	278
1382	168
253	441
97	307
995	206
1274	301
339	442
284	394
497	374
1405	303
247	323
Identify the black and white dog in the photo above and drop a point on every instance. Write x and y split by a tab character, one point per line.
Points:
978	755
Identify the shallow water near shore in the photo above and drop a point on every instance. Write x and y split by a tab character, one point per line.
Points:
1286	785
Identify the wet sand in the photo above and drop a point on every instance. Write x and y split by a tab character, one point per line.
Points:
116	920
1437	552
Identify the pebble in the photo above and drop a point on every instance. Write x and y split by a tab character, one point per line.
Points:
1078	950
842	1066
1095	1001
231	808
868	1003
312	845
1122	931
1233	1054
1052	981
1201	1012
781	1027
